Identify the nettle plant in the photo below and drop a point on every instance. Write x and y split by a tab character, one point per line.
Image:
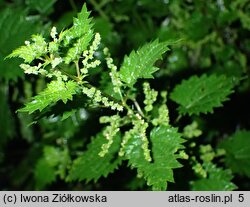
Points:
137	132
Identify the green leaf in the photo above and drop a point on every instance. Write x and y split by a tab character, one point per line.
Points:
34	50
166	141
25	52
80	34
140	64
81	25
57	158
68	114
42	6
90	166
79	46
237	152
44	174
16	27
217	180
55	91
52	155
201	94
245	19
107	86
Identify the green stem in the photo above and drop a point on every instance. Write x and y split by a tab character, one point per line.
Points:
139	108
77	69
69	75
120	94
178	119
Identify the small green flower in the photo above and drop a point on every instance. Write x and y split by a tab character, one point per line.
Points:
56	62
150	97
53	33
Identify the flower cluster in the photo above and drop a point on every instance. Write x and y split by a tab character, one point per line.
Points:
33	69
50	54
53	34
114	75
45	53
192	130
139	131
97	97
88	55
150	97
199	170
163	113
110	131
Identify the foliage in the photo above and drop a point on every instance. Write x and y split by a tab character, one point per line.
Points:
55	161
6	127
44	174
140	64
115	94
237	152
202	94
102	167
165	143
217	179
211	177
63	89
55	91
15	23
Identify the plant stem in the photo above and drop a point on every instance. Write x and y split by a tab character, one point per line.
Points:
77	69
138	108
69	75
